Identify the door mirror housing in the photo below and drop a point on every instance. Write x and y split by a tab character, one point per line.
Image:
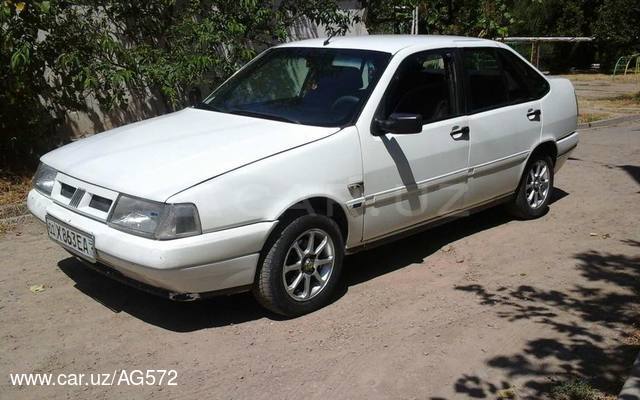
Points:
398	123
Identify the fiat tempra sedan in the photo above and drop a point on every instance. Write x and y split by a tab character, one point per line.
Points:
313	150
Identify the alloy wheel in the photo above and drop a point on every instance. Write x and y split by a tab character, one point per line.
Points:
537	185
308	264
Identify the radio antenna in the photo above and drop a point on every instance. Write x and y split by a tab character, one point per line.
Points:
331	35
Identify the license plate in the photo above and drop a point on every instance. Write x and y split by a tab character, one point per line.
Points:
72	239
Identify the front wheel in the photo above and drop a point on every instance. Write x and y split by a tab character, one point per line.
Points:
533	193
301	266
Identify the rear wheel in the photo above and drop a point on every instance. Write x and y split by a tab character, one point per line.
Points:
301	267
533	193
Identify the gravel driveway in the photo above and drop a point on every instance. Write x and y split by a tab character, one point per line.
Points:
461	311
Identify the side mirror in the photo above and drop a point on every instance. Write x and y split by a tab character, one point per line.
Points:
399	123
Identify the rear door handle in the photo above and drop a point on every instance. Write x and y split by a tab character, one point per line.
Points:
533	115
458	133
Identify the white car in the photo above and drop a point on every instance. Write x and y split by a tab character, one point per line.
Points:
313	150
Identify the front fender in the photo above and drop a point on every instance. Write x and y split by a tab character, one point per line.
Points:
265	189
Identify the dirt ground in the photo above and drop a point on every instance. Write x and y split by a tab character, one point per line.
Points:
461	311
602	96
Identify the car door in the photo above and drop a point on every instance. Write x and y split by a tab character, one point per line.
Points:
410	178
504	122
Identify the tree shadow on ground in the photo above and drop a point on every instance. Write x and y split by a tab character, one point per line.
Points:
581	353
633	171
235	309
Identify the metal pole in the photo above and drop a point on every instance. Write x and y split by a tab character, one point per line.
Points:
535	53
531	59
414	21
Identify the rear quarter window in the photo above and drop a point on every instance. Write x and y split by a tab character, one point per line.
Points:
523	82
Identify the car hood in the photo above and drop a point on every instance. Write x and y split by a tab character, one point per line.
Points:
161	156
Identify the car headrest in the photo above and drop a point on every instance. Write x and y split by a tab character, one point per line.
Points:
349	78
343	79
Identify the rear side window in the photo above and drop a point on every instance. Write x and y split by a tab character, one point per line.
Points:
423	84
523	82
486	86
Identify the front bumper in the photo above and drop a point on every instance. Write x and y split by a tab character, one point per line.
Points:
210	262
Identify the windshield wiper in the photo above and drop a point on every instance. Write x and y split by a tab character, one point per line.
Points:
237	111
261	115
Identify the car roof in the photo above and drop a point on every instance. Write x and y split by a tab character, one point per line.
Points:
387	43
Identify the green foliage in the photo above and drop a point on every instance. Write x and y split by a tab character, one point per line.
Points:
481	18
617	29
615	24
555	18
55	54
549	18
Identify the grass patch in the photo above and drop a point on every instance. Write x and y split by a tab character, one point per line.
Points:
14	186
632	338
630	98
601	77
625	104
585	118
577	389
6	227
574	390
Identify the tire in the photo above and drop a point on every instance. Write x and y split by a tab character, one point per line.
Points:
319	266
535	181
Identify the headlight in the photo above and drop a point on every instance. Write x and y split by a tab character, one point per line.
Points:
155	220
44	179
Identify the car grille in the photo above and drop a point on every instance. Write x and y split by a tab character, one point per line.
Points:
66	190
77	196
82	197
100	203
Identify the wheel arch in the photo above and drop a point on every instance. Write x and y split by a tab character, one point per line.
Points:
317	205
548	148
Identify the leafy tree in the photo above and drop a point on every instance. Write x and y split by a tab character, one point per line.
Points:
481	18
555	18
615	24
548	18
617	29
55	54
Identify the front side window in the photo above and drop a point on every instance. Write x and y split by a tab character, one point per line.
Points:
485	85
310	86
423	84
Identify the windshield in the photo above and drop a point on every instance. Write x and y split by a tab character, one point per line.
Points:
310	86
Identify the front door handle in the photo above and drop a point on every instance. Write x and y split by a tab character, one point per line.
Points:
533	115
458	133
